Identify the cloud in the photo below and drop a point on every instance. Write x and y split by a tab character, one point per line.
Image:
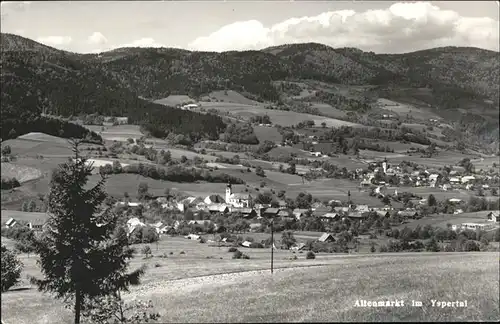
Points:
55	40
402	27
143	42
97	39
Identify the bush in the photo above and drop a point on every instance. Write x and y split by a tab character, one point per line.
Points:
383	249
11	268
244	256
471	245
232	249
202	240
310	255
256	245
146	250
182	252
237	254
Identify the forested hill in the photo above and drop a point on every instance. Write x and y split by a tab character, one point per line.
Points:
36	77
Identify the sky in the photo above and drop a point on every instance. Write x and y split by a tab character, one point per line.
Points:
378	26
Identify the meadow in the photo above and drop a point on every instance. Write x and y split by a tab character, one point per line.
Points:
205	285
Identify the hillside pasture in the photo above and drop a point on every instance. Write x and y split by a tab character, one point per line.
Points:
34	148
265	133
174	100
183	284
230	96
328	110
121	133
280	117
20	172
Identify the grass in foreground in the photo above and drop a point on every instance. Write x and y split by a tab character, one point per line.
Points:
325	292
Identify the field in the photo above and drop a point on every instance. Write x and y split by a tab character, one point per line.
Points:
265	133
443	220
21	173
174	100
206	285
280	117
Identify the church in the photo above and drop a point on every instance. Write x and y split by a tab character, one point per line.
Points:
238	200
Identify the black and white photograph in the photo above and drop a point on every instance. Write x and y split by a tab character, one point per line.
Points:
250	161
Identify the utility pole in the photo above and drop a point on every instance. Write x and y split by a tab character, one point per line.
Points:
272	244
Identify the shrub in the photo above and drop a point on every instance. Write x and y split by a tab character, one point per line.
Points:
171	253
372	248
182	252
146	250
383	249
471	245
449	248
157	265
256	245
310	255
202	240
232	249
11	268
245	256
237	254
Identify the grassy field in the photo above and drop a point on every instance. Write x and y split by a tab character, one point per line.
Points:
230	96
206	285
280	117
174	100
265	133
442	220
20	172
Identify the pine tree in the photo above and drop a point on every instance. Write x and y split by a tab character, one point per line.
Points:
80	255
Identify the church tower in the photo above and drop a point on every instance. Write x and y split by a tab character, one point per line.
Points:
384	165
228	192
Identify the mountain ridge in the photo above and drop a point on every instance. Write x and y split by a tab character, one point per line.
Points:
111	82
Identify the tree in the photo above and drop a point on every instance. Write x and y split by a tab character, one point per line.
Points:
11	268
146	250
287	239
6	150
432	245
142	190
431	200
113	307
260	172
265	198
372	248
81	257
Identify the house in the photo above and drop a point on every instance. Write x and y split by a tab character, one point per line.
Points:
328	216
320	211
298	247
494	216
299	212
455	200
192	237
133	224
158	226
11	223
255	226
326	237
213	199
356	215
246	244
458	211
218	208
242	200
362	208
341	209
454	180
270	212
37	225
246	212
413	214
382	213
467	179
282	204
285	213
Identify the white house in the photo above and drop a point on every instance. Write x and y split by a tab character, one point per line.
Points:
133	223
239	200
466	179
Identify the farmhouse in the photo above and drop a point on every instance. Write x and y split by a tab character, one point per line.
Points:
413	214
494	216
326	237
11	223
270	212
134	223
328	216
218	208
298	212
242	200
246	212
37	225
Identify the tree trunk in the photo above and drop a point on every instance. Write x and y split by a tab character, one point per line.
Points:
78	302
